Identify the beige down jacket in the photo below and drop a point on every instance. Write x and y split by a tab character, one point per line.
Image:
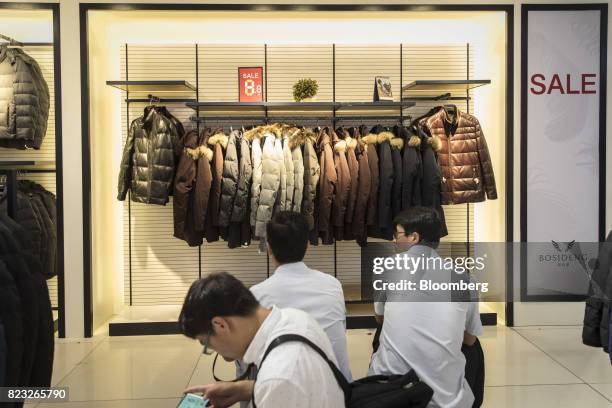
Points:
298	170
272	166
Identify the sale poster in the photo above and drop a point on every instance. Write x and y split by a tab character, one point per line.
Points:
250	84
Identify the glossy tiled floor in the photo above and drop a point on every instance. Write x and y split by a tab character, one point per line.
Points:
525	367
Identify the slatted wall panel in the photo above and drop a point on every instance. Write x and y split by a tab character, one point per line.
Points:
162	267
44	56
440	62
289	63
218	65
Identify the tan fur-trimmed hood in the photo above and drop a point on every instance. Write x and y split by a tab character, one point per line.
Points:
435	143
298	137
397	143
220	138
414	141
382	136
351	143
340	146
200	151
370	138
252	134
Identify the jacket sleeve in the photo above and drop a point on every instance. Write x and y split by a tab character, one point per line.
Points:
298	174
410	178
229	184
125	171
279	153
486	165
363	194
289	172
183	184
244	183
329	181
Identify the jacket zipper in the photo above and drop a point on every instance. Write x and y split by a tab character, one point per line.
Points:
450	166
150	153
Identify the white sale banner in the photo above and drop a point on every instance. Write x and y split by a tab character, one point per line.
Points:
562	132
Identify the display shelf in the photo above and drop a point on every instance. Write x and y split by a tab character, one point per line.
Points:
441	89
153	86
27	165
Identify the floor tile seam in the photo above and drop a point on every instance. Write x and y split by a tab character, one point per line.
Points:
599	392
550	356
78	363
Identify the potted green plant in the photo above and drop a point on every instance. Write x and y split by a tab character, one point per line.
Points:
305	90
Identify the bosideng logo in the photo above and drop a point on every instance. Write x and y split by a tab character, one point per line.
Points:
564	257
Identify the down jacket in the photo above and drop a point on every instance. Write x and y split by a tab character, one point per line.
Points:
229	184
289	175
298	170
371	214
328	183
240	230
596	330
412	168
343	186
192	190
432	178
312	173
217	142
256	156
467	171
24	100
397	144
385	188
149	158
272	161
353	164
363	191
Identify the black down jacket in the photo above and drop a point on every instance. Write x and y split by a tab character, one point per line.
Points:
240	231
24	100
432	178
595	331
149	157
412	169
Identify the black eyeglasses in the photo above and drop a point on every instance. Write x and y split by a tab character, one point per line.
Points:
249	373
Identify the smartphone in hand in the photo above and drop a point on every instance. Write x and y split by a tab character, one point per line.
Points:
193	401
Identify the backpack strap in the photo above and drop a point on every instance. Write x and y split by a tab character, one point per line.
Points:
286	338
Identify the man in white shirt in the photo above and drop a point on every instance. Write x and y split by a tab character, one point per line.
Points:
423	335
295	285
224	316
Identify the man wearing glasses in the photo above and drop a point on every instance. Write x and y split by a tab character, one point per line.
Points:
221	313
419	332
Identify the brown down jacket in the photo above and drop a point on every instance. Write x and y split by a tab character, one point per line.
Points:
369	140
191	190
463	157
341	195
217	143
363	190
328	181
353	164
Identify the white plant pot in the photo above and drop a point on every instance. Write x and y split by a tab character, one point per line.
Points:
311	99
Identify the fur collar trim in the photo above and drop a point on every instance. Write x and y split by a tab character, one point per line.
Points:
397	143
350	142
435	143
297	138
340	146
251	134
218	138
200	151
414	141
382	136
369	139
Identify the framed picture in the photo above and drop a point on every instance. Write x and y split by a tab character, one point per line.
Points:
382	89
250	84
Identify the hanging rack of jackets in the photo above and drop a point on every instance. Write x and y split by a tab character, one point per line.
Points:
27	228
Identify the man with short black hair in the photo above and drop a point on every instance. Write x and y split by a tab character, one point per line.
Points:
425	336
224	316
293	284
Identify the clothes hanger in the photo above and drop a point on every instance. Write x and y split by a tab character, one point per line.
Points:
11	41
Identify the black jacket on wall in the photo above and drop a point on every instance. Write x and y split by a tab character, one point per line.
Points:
432	179
149	157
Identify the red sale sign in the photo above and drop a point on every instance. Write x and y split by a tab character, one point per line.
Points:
250	84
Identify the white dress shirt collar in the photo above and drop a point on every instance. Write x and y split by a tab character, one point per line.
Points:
292	267
257	348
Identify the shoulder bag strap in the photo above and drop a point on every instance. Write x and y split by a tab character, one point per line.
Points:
285	338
